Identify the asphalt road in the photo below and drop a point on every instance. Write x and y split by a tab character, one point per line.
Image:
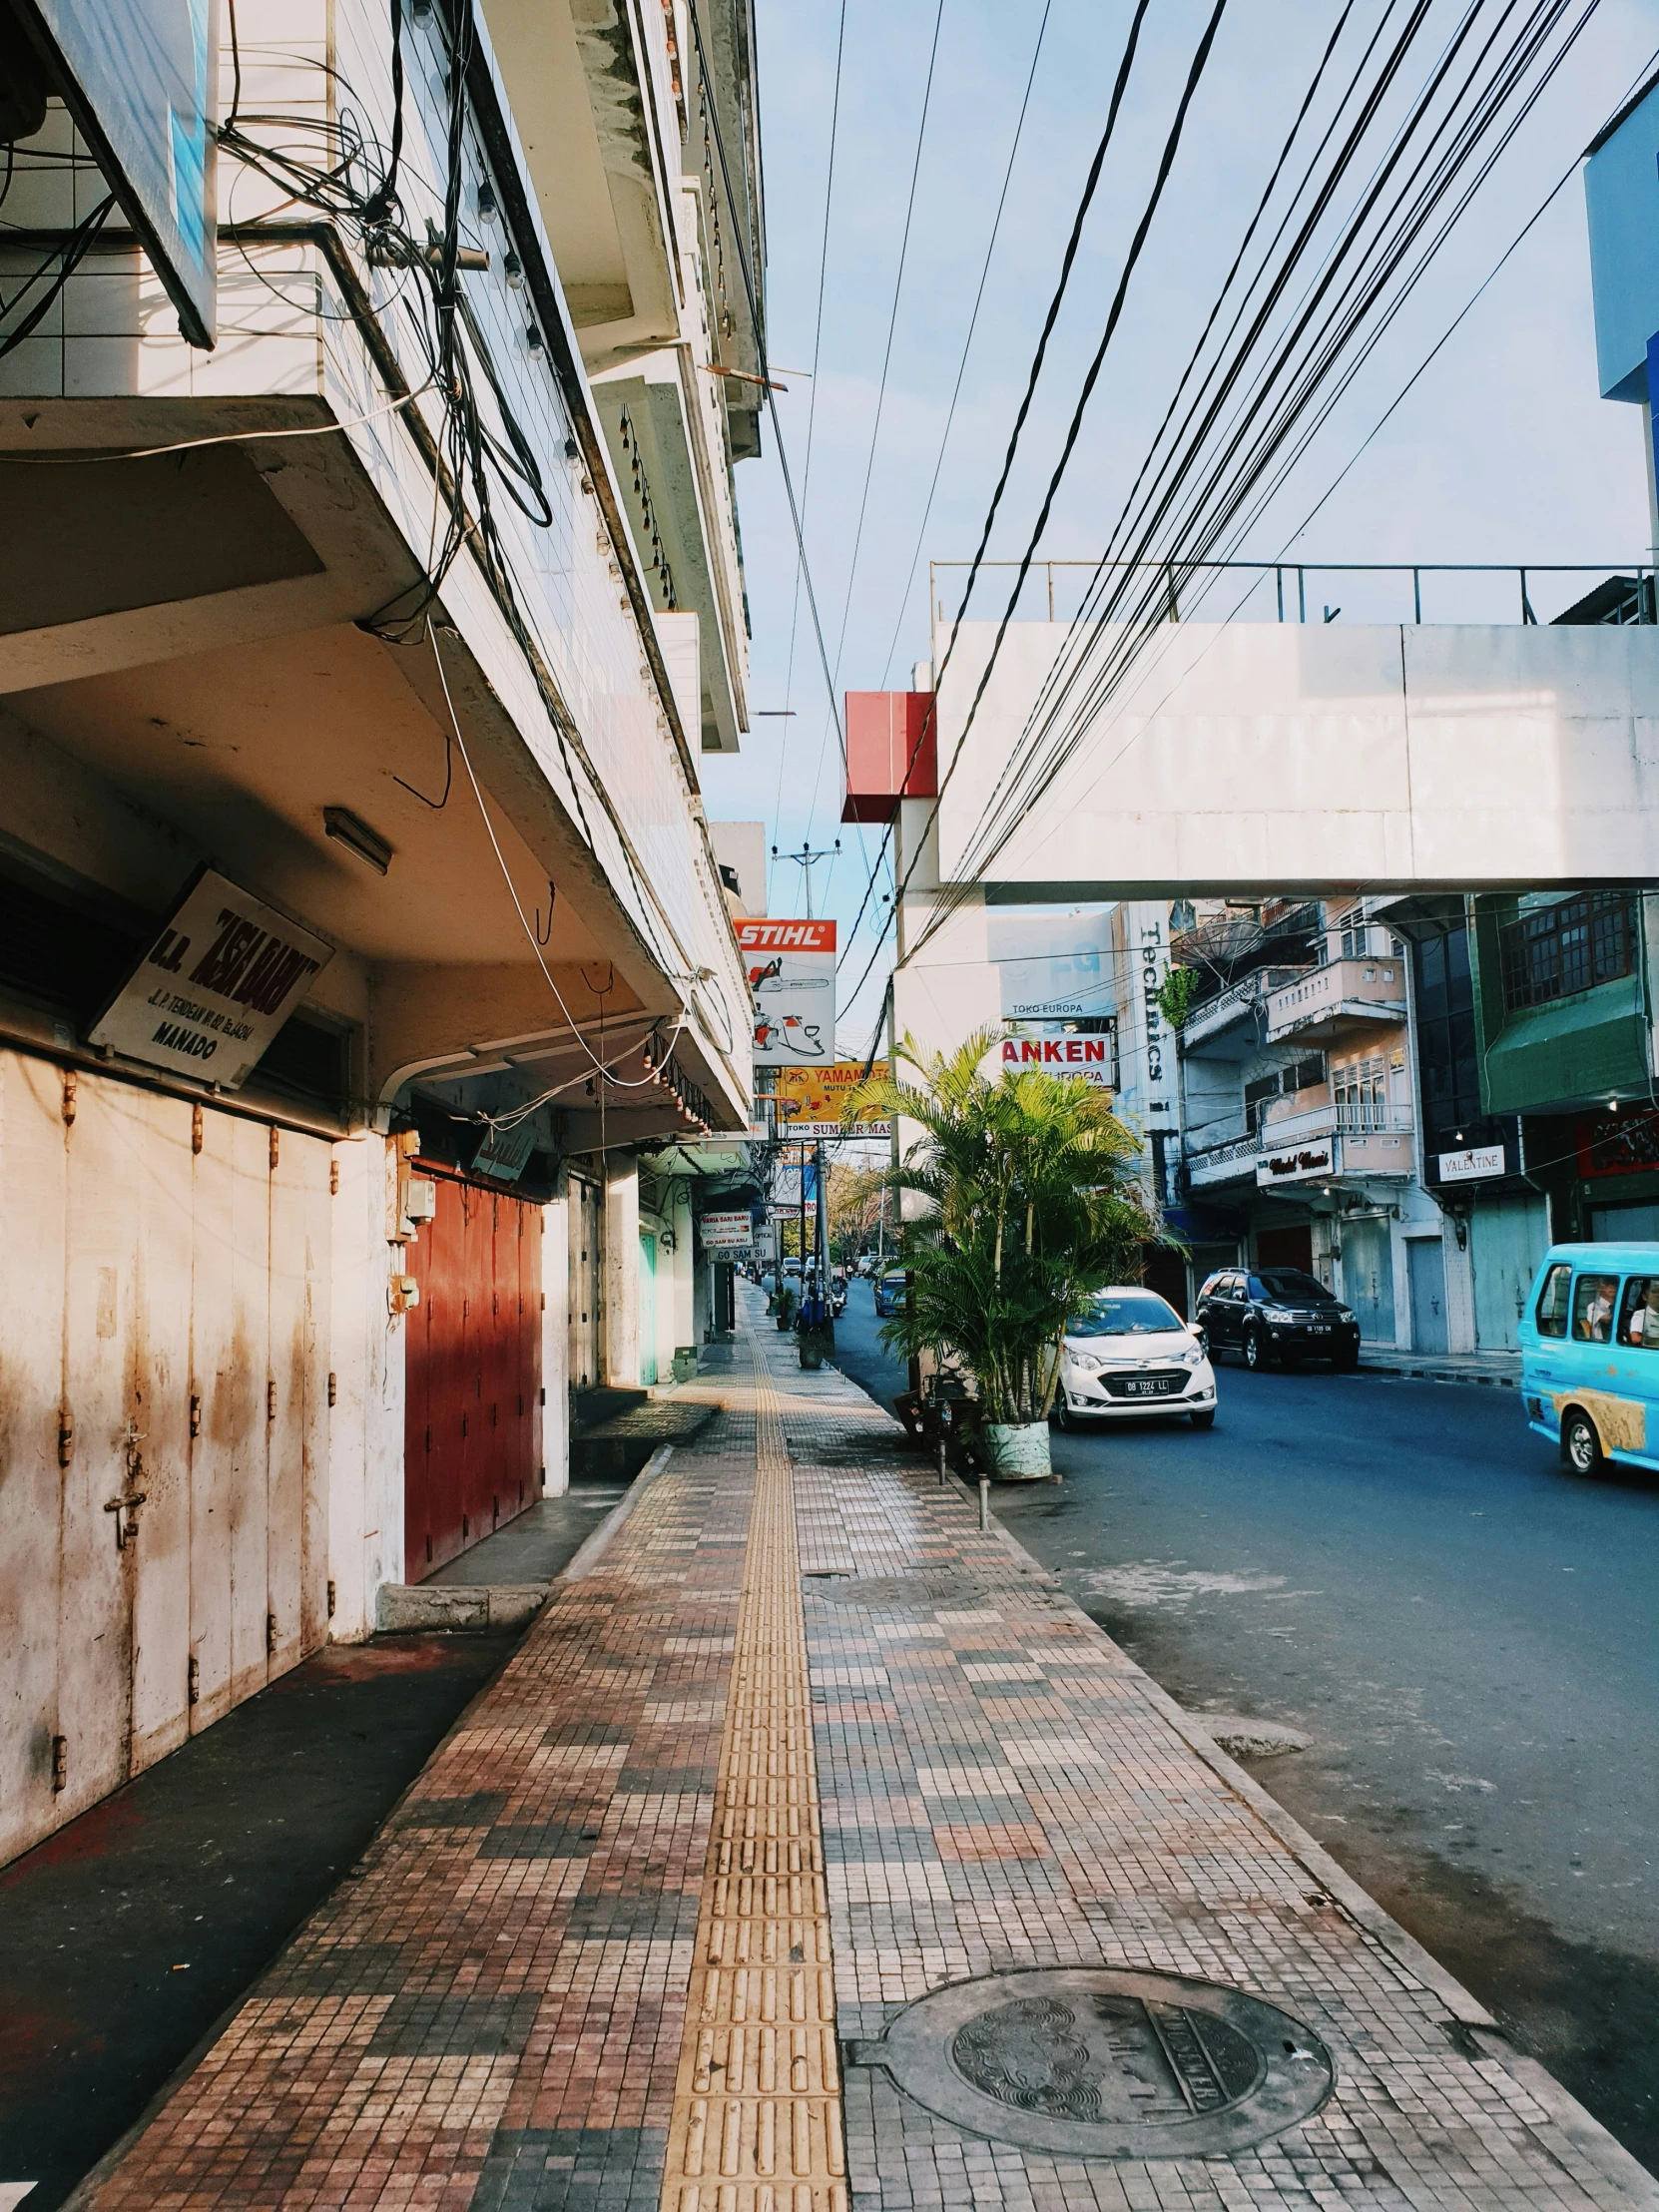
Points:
1465	1634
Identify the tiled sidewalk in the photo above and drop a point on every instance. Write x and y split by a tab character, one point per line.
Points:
489	2013
493	2013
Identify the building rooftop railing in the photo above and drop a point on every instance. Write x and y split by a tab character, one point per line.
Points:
1539	592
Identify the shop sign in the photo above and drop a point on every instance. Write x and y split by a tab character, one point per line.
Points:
1471	1163
1057	1051
791	966
810	1100
1052	966
1293	1167
725	1231
214	987
1618	1144
505	1153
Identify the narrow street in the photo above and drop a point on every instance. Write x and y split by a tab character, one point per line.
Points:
1464	1634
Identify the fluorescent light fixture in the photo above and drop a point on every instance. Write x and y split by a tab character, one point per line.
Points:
355	834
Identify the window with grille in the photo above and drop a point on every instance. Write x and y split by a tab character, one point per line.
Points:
1568	948
1361	1092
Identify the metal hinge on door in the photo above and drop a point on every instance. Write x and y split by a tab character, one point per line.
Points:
270	1622
193	1678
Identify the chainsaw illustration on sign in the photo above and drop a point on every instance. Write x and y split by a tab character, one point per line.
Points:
802	1038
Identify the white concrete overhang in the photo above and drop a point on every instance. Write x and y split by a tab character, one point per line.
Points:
671	514
234	715
579	77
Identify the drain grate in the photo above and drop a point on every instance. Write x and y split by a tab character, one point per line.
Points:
883	1592
1098	2063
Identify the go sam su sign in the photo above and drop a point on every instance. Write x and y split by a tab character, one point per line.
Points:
214	988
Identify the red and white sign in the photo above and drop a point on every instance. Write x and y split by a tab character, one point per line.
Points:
725	1231
1058	1052
791	966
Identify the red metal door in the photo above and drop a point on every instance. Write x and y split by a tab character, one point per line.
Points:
473	1376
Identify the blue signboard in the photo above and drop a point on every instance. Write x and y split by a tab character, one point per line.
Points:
138	77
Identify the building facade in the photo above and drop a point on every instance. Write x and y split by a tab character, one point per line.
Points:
394	625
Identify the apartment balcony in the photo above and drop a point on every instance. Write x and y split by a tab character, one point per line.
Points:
1232	1161
1332	1143
1231	1018
1342	999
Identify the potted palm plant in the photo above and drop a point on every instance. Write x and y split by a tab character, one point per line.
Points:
1031	1202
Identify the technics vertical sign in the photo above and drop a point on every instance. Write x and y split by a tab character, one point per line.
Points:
214	987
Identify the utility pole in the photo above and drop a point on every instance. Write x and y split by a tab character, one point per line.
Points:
822	1223
806	861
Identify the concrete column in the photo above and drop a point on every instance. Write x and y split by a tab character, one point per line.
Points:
621	1277
1460	1291
366	1432
684	1324
555	1346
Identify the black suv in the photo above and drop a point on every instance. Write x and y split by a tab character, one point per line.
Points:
1277	1316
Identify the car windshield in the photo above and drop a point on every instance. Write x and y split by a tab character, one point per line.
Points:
1292	1284
1125	1313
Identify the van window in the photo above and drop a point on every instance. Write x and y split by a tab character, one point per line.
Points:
1552	1302
1639	1313
1593	1298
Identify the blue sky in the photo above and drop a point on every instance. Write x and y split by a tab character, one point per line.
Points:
1503	452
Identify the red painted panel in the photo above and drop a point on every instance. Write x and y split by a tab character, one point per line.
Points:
473	1373
892	753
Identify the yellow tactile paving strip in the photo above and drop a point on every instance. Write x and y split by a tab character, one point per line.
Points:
757	2123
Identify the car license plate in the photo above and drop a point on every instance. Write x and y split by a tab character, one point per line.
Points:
1147	1389
1321	1327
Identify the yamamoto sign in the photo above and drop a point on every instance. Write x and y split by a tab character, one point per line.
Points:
810	1100
214	988
791	966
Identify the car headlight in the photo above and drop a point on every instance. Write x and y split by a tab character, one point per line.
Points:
1345	1312
1090	1363
1277	1313
1194	1356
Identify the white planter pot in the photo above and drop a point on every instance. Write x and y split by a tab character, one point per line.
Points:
1018	1450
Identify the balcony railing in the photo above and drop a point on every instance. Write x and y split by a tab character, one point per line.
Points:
1373	988
1240	998
1349	1118
1318	592
1218	1162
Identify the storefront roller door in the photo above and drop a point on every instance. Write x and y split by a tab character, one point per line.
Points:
473	1373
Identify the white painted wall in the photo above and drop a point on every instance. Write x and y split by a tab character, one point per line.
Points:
1253	758
621	1278
555	1346
366	1486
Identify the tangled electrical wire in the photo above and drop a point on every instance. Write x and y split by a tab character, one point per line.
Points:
340	168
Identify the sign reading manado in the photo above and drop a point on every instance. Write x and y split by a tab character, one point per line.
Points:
214	987
810	1100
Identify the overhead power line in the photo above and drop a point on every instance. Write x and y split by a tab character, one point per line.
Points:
1265	390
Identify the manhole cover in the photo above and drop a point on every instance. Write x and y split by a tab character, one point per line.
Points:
884	1592
1097	2063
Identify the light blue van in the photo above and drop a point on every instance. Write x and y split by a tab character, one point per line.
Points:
1589	1344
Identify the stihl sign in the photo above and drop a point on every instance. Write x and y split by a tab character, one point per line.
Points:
791	966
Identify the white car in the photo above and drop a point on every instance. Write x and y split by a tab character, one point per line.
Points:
1129	1354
